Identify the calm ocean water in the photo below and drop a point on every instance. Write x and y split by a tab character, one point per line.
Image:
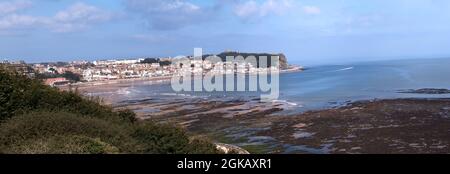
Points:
328	86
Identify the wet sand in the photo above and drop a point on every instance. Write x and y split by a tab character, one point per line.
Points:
107	90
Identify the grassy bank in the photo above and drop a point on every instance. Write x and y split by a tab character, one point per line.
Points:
35	118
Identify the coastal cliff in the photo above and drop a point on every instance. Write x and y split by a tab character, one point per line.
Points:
283	59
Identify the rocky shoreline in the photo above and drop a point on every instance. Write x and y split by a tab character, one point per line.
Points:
378	126
381	126
425	91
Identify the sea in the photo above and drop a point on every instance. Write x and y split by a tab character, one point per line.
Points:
326	86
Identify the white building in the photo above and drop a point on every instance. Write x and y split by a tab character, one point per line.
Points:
155	65
88	75
129	61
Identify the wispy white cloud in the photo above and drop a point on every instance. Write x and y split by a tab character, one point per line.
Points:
8	7
169	14
251	9
78	16
15	21
10	17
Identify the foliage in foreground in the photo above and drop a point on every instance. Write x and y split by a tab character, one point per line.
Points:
35	118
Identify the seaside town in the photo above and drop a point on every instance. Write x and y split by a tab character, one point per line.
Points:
64	73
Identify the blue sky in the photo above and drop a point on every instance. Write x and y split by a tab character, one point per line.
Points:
307	31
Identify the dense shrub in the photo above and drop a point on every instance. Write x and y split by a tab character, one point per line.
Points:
161	138
37	126
64	145
127	115
201	146
12	91
19	94
157	139
35	118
